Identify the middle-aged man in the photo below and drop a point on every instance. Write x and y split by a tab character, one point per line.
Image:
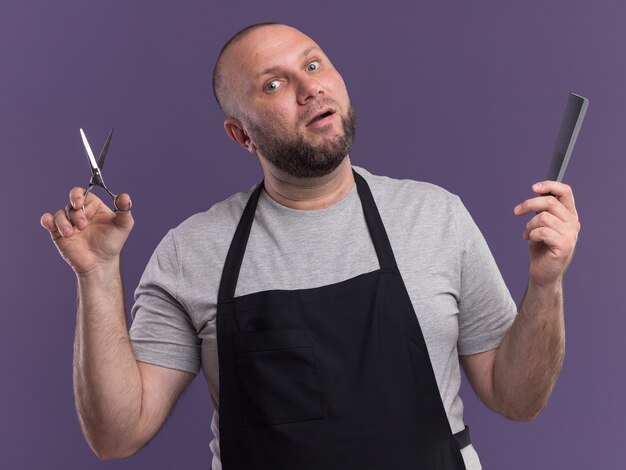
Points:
329	308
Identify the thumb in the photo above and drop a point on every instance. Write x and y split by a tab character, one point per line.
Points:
123	216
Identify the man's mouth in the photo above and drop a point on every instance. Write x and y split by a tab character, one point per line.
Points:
321	116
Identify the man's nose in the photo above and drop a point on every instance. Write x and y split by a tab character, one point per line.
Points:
308	89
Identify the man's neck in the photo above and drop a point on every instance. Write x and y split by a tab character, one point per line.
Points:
308	193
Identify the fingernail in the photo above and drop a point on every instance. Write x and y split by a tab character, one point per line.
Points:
517	209
537	186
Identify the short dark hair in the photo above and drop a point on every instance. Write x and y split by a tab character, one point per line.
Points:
218	81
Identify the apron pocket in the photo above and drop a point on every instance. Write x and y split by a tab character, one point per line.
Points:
277	377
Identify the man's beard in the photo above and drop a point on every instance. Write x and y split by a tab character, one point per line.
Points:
302	159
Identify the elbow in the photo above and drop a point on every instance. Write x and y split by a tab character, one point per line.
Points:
521	417
524	414
111	443
516	409
107	450
103	453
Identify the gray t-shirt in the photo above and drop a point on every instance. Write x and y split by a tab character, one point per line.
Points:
457	291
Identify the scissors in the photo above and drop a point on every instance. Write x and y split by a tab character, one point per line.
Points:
96	168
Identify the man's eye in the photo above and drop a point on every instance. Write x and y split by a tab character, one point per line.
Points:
272	86
312	66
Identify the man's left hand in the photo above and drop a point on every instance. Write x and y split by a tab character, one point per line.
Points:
552	233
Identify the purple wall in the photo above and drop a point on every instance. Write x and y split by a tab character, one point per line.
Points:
468	96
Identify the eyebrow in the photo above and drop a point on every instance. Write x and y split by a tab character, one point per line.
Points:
271	70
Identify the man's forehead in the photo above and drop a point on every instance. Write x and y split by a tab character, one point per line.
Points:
268	47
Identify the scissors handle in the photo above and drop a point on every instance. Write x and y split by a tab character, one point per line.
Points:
113	196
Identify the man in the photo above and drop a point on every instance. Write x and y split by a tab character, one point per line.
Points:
328	307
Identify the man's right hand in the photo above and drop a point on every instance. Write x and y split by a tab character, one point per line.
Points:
93	235
121	403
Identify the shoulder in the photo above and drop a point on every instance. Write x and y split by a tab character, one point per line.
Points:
410	195
220	220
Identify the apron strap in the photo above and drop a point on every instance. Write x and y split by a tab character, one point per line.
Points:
375	224
463	438
232	265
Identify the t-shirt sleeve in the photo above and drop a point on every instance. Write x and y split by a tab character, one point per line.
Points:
486	308
162	332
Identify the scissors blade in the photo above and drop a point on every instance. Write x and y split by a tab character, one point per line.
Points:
92	160
105	149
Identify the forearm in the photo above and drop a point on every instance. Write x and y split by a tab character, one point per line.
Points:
529	360
107	382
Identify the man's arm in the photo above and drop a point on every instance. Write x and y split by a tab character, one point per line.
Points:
517	378
121	403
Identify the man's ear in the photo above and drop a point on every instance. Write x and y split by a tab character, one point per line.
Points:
235	131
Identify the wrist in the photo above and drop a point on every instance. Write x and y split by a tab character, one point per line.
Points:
542	300
101	273
546	289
